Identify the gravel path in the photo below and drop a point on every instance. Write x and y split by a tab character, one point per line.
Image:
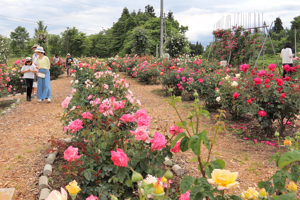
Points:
24	135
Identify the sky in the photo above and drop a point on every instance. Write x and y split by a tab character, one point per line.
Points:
91	16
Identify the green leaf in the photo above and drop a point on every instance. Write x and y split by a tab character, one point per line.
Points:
195	144
288	158
279	179
205	113
178	99
184	144
203	137
195	159
295	173
148	189
288	196
180	135
128	182
221	162
181	124
186	183
194	192
191	123
87	175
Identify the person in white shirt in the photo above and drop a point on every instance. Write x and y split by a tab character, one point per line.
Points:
34	57
56	58
287	55
29	72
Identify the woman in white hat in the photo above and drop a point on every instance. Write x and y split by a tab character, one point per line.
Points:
44	87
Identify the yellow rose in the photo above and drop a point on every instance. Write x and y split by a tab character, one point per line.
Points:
223	178
158	188
287	142
163	179
292	186
263	192
73	188
251	193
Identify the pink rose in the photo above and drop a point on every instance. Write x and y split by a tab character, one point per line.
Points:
139	113
262	113
73	91
236	95
87	115
127	118
255	141
56	195
66	102
185	196
175	130
92	197
200	80
144	120
141	133
71	154
119	158
257	81
176	147
272	67
90	97
75	126
158	142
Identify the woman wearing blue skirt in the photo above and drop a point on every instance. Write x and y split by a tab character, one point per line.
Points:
44	87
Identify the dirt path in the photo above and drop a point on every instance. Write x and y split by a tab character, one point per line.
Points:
24	134
251	161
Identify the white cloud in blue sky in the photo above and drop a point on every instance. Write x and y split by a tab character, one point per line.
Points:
91	16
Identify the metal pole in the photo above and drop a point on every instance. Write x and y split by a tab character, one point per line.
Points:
161	26
295	30
165	21
156	50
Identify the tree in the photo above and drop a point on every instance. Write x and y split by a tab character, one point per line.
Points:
40	35
20	36
100	43
277	25
177	44
130	24
55	44
68	37
4	49
150	10
41	27
141	41
291	34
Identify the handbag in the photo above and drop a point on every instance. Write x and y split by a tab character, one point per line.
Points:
41	75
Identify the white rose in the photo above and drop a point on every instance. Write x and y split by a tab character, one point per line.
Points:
218	99
71	81
227	77
217	91
237	75
234	84
76	81
81	69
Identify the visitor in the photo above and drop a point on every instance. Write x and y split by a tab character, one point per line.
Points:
34	57
287	55
69	61
44	87
56	58
29	71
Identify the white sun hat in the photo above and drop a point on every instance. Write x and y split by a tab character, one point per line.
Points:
39	49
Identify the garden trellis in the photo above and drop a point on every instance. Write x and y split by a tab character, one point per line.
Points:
244	22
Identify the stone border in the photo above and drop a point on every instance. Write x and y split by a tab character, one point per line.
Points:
176	168
12	106
43	185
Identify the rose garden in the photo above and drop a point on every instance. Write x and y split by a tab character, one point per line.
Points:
232	129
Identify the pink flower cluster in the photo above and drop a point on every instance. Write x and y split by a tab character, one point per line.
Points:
244	67
74	126
175	130
127	118
119	158
71	154
66	102
158	142
87	115
143	118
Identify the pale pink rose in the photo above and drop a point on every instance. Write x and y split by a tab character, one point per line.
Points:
127	118
66	102
119	158
176	147
56	195
73	108
158	142
185	196
71	154
90	97
144	120
119	105
139	113
75	126
73	91
105	86
141	133
87	115
175	130
92	197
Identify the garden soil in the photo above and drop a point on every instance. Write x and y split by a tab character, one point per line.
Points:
25	133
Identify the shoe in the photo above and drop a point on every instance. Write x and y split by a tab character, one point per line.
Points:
27	98
49	100
40	101
32	96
